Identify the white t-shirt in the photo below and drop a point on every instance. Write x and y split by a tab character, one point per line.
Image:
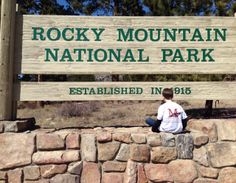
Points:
171	115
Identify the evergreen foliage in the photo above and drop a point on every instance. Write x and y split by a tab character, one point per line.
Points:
107	7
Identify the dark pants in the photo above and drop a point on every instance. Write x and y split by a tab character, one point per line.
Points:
156	123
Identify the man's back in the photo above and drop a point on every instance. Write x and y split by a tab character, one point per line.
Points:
171	115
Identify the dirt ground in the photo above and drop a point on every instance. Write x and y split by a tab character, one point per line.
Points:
113	113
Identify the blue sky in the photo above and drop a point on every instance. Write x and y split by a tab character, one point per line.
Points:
62	2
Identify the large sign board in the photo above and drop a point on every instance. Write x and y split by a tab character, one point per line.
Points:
125	45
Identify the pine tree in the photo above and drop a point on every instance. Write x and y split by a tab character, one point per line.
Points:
107	7
27	6
51	7
178	7
225	7
191	7
43	7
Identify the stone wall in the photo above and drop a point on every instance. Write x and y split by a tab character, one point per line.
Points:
116	155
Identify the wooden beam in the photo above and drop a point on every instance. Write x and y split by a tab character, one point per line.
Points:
8	10
70	91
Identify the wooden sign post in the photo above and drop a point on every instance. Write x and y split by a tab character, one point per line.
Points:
8	10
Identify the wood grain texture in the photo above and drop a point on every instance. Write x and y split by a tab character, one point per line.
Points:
31	54
7	32
59	91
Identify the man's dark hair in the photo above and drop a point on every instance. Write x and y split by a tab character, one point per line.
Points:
168	93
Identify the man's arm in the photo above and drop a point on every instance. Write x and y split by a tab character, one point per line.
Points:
160	113
184	122
184	119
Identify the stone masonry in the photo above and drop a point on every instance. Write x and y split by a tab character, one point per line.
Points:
121	155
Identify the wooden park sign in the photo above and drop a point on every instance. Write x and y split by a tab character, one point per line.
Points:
120	45
125	45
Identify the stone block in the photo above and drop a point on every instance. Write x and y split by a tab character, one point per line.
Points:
104	137
158	173
222	154
88	147
107	151
142	178
48	171
64	133
200	139
15	176
65	178
31	173
91	173
130	175
227	175
122	137
200	156
154	139
49	142
207	127
114	166
75	168
204	180
112	178
3	175
16	150
138	138
73	141
208	172
226	130
184	145
37	181
55	157
183	171
124	152
163	154
168	139
139	153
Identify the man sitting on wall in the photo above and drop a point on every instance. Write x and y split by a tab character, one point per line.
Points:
171	117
